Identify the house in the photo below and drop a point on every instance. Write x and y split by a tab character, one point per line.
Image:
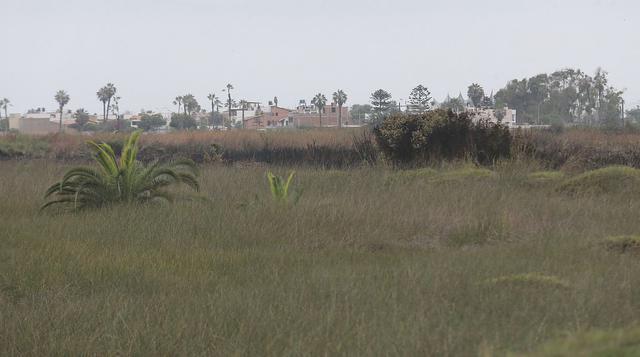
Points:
308	116
271	117
39	122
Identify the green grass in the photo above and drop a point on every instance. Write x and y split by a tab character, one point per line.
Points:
617	343
613	179
357	267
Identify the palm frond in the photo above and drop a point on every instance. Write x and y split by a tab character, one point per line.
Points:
120	181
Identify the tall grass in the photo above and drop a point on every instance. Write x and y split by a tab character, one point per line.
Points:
571	150
362	265
320	148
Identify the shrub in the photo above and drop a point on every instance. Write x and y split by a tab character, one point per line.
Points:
614	179
119	181
441	135
623	244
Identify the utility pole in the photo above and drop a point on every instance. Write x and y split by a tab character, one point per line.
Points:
622	114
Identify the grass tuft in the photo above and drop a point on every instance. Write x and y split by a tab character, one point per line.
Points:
614	179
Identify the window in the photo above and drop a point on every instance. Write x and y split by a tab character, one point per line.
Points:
333	109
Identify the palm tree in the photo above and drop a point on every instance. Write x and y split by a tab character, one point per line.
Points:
229	102
110	91
190	104
3	105
102	96
178	102
123	180
319	101
213	99
339	98
62	98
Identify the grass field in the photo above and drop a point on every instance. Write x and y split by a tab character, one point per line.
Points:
448	262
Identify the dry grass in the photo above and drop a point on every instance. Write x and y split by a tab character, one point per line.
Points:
572	151
357	267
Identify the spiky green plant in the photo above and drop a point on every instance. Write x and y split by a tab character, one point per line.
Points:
281	188
123	180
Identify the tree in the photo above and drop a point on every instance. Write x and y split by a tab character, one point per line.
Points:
149	122
382	105
4	103
182	121
120	181
634	114
115	109
190	104
476	94
568	95
487	102
62	98
319	101
229	102
213	99
104	95
454	104
178	102
360	111
82	119
419	99
339	98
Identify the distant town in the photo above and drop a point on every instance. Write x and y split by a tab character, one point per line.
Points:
250	115
564	97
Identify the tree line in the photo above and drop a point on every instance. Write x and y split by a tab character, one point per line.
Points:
564	96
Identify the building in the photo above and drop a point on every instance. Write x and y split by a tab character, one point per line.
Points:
238	114
39	122
270	117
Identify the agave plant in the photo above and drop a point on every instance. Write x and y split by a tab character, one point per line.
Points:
280	188
123	180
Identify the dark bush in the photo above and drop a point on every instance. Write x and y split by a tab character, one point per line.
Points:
440	135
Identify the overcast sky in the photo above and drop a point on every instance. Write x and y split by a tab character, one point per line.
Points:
154	50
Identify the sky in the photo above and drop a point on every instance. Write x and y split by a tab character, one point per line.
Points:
155	50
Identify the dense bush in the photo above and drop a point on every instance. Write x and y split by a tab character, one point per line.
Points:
441	135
